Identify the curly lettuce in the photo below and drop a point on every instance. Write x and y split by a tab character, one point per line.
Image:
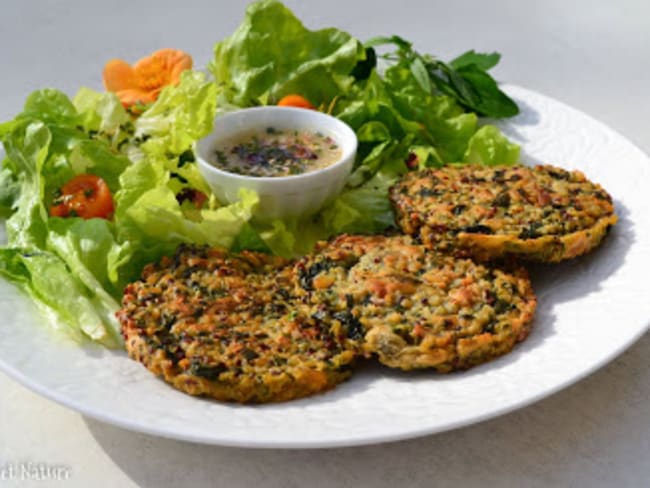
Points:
76	269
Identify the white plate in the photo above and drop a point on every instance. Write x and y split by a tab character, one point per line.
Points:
590	310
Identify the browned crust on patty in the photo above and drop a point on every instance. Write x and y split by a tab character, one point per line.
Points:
414	308
543	213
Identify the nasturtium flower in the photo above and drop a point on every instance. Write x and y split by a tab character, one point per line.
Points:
141	83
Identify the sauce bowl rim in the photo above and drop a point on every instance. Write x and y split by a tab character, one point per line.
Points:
348	147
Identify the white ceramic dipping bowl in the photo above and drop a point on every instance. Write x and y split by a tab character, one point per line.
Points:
280	196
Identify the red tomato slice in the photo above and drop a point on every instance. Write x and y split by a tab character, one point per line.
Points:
84	196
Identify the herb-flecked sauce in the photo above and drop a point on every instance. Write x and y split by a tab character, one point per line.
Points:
276	152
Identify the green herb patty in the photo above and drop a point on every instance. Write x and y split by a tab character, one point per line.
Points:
416	308
226	326
542	213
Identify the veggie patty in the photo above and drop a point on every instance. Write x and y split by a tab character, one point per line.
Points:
416	308
226	326
543	213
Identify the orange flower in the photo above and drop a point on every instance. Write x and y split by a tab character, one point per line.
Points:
142	82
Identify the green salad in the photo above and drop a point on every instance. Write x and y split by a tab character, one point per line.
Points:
408	110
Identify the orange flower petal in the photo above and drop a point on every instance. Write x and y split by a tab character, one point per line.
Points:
163	67
173	57
118	75
181	65
145	79
133	96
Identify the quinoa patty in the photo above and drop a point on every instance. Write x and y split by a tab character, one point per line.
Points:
226	326
415	308
543	213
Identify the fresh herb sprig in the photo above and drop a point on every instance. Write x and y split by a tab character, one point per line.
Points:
465	78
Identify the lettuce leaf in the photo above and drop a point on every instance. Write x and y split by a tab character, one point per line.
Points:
9	192
50	106
102	115
27	149
62	299
363	210
166	131
181	115
272	54
158	216
490	147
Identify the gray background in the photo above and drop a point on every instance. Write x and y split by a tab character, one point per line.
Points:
592	55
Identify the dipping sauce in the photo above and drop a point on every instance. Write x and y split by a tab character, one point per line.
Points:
276	152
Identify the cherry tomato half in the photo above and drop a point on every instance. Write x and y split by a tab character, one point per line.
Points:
295	101
84	196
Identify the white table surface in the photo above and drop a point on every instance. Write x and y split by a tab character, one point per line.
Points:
594	56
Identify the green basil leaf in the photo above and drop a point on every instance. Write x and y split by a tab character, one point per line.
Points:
483	61
467	94
420	74
398	41
492	102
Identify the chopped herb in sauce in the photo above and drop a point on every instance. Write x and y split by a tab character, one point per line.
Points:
276	152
